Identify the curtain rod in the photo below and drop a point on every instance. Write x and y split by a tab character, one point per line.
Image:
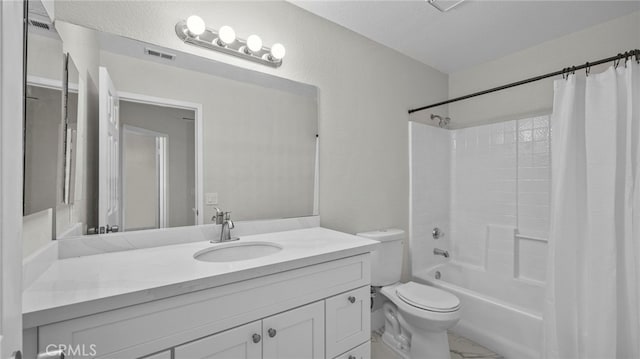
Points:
564	71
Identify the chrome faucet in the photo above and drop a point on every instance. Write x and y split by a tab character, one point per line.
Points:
441	252
227	226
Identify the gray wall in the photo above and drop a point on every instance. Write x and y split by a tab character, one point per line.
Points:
180	160
42	137
594	43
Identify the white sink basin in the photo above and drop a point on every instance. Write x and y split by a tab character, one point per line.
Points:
238	251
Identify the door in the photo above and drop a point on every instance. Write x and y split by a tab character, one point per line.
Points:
108	153
144	179
11	120
244	342
295	334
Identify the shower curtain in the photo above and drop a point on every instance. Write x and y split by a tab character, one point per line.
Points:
592	300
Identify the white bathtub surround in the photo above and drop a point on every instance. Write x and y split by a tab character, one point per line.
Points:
124	241
592	306
81	286
497	210
430	189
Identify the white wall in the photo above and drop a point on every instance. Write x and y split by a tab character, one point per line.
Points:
43	120
365	92
594	43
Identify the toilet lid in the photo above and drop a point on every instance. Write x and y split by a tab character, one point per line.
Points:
427	297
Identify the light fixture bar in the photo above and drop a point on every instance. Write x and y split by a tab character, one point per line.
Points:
434	3
209	39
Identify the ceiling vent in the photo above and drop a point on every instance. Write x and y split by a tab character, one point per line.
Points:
160	54
40	24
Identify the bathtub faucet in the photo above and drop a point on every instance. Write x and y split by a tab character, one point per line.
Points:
440	252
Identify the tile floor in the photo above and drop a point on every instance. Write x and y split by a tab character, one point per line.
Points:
460	347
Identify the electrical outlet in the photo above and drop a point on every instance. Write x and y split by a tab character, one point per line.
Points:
211	199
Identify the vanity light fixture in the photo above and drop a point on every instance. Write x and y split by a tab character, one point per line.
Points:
193	31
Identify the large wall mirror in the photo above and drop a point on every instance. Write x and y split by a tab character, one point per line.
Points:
154	138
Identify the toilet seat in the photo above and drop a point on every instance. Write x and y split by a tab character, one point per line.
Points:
427	298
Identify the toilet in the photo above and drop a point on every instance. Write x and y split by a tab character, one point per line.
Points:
417	316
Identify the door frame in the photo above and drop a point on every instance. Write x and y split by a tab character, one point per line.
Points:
198	139
12	82
161	171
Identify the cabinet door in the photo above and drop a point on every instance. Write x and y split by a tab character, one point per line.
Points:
296	334
244	342
348	320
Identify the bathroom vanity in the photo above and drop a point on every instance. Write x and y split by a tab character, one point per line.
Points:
308	300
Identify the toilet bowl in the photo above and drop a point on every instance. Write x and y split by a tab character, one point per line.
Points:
417	316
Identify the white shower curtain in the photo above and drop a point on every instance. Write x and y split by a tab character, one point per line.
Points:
592	302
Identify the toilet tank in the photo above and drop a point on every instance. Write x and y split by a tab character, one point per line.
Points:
386	261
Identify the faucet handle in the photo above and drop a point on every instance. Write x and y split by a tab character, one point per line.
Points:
218	217
227	216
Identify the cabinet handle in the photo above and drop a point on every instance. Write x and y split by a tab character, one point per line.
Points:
272	332
352	357
256	338
352	299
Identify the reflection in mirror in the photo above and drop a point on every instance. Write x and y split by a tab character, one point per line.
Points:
70	127
176	135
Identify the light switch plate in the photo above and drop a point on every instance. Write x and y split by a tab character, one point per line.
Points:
211	199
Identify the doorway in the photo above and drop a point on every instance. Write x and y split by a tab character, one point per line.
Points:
158	166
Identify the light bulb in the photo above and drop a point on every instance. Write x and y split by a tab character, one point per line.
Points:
254	43
196	25
278	51
227	35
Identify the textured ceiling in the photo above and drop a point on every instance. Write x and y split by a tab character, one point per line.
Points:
472	33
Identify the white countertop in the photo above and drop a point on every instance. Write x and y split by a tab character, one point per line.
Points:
81	286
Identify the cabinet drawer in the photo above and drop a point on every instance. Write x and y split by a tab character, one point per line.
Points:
363	351
348	320
238	343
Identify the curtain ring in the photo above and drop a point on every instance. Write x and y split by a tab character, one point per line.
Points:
573	70
616	63
565	73
626	58
587	69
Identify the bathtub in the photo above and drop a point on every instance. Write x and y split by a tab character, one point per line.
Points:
501	313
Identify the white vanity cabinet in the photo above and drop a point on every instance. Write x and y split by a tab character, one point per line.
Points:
319	311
